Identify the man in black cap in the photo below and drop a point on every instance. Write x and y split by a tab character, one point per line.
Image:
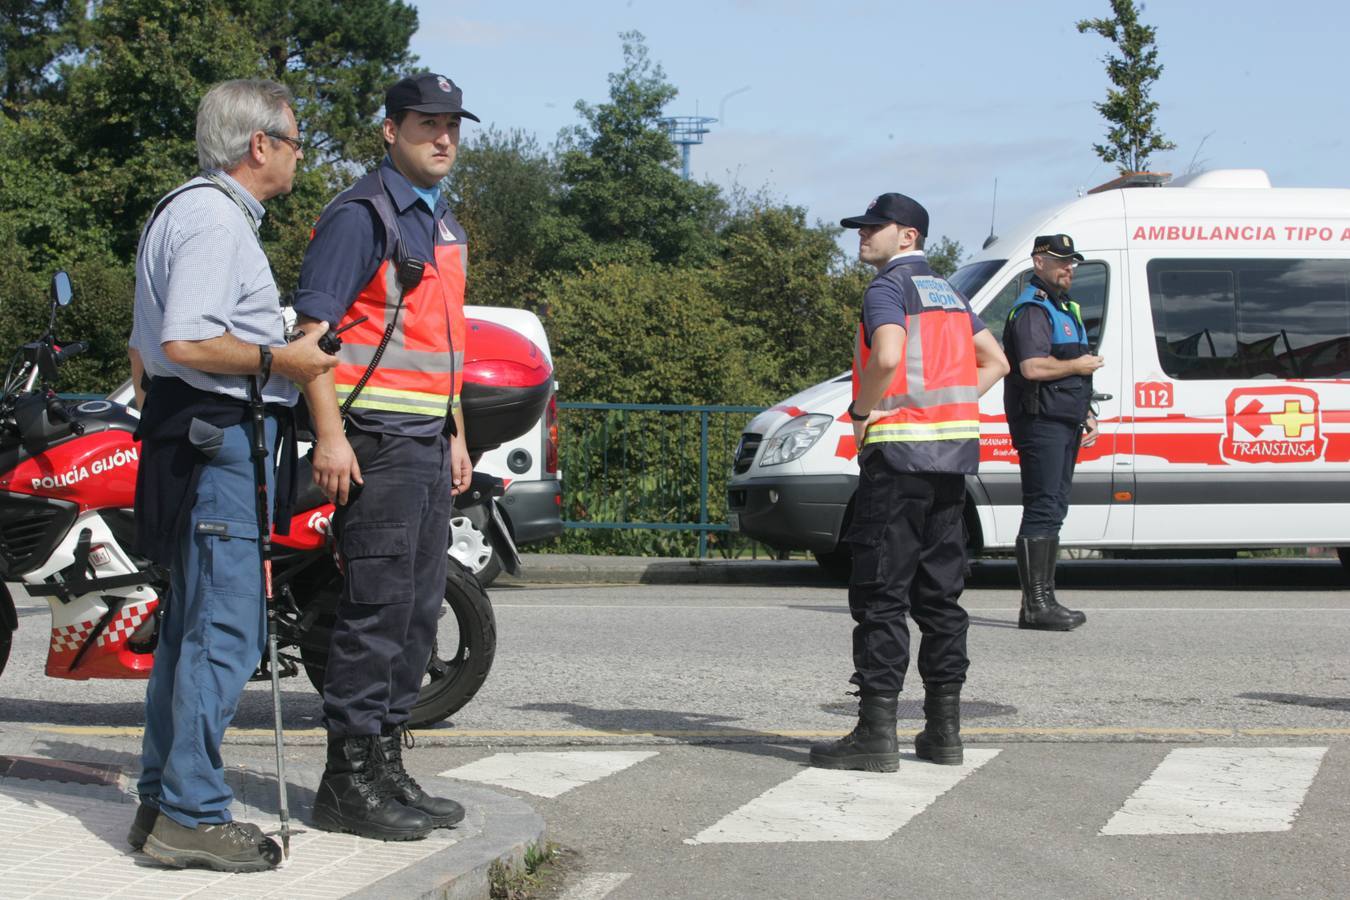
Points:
388	259
921	362
1047	398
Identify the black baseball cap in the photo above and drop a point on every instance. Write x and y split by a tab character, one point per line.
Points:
428	93
892	208
1059	246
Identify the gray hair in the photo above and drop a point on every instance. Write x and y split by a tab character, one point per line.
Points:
231	113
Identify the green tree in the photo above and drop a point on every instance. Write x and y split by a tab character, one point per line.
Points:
104	133
622	198
944	255
790	285
1132	136
503	189
34	34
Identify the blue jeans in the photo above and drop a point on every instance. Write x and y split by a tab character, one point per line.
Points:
211	638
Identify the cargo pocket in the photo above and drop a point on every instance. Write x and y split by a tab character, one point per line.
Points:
378	563
868	540
229	554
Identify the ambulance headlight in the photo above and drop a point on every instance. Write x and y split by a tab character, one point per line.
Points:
794	439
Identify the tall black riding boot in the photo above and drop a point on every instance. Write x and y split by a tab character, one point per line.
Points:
940	740
1078	616
353	798
871	746
1036	571
442	813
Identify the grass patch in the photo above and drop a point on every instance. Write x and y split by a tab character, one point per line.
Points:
538	874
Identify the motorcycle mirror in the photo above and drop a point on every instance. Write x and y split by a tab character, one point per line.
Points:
61	289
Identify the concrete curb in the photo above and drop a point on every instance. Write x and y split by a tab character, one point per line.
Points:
505	828
550	568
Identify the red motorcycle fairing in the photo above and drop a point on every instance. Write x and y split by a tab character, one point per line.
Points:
309	528
96	470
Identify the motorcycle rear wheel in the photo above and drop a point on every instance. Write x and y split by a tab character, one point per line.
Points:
467	630
6	639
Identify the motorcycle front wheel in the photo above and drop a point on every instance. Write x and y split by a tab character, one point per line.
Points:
466	643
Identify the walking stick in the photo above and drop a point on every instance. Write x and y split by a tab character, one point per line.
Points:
259	454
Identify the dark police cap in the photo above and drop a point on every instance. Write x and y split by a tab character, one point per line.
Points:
428	93
891	208
1056	245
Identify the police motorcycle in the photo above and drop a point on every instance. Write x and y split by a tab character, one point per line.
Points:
67	486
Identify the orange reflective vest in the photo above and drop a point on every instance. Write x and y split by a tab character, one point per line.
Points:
932	403
420	371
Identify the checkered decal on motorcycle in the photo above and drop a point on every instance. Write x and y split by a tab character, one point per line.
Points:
69	638
123	626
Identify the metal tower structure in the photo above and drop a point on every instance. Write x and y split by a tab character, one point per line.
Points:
685	132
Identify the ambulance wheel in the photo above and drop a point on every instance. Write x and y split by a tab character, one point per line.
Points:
837	562
471	547
466	642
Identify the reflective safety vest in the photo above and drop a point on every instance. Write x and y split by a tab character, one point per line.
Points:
420	371
932	403
1066	399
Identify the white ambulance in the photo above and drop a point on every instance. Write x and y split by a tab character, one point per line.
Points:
1222	308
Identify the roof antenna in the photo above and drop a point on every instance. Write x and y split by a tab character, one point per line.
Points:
989	241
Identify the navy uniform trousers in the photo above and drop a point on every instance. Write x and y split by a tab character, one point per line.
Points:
393	539
909	556
1046	450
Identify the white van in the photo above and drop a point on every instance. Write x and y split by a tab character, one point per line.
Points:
1222	308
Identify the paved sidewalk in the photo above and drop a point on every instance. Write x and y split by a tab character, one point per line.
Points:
63	827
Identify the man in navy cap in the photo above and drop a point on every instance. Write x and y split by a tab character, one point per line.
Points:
388	259
1047	398
921	361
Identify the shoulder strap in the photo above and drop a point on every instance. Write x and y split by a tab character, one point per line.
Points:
173	195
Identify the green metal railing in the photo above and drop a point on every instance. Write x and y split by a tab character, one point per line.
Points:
633	466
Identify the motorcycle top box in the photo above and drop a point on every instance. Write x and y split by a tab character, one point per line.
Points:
507	383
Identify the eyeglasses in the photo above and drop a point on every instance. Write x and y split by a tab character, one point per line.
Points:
296	143
1059	261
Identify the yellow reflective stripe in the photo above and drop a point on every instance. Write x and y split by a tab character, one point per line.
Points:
395	400
918	431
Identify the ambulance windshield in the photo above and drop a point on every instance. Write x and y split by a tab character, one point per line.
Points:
971	277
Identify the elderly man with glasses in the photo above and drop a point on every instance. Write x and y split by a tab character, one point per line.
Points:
1047	397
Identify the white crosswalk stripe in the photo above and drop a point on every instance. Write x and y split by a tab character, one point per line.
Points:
1220	790
830	805
548	774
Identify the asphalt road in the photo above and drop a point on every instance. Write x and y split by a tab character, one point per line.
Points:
704	699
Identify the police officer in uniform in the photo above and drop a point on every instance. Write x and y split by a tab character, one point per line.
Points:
389	450
1047	398
922	360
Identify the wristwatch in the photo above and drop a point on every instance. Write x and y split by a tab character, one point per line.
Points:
264	363
854	416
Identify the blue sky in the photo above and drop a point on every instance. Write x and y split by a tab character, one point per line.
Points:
828	104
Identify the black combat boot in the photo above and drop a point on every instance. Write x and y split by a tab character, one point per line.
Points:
442	813
1036	571
940	740
871	746
353	798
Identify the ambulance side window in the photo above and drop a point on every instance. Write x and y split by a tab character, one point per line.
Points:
1251	318
1089	290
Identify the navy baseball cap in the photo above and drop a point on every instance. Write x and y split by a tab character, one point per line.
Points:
428	93
892	208
1059	246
